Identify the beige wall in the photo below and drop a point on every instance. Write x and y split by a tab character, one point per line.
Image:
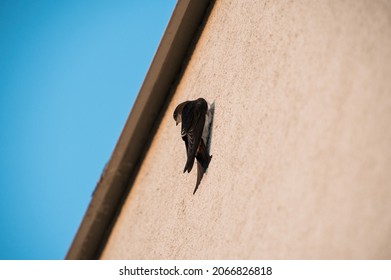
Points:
301	141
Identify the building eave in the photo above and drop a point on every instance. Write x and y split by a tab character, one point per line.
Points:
118	176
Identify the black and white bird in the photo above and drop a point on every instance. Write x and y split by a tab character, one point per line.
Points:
195	117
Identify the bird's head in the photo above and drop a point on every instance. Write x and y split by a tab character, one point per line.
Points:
178	112
177	116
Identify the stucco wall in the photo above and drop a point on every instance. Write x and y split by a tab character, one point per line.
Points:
301	141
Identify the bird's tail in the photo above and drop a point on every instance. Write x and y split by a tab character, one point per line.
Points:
203	160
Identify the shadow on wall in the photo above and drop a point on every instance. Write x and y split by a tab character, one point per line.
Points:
209	140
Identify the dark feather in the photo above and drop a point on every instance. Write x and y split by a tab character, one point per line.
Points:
203	160
193	120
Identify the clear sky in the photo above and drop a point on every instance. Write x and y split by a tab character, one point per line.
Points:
69	73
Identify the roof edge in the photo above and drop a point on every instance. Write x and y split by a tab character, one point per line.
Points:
121	169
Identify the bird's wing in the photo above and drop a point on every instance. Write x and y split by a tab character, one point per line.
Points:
203	160
200	174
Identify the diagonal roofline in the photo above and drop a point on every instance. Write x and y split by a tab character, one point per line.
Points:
119	173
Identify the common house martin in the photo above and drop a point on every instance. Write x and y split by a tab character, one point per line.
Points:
195	117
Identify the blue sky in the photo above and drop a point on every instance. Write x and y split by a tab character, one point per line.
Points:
69	73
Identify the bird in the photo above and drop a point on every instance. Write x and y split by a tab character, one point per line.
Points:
195	117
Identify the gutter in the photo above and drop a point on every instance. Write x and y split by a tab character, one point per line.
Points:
119	173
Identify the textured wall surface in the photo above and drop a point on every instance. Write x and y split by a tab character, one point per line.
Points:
301	141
